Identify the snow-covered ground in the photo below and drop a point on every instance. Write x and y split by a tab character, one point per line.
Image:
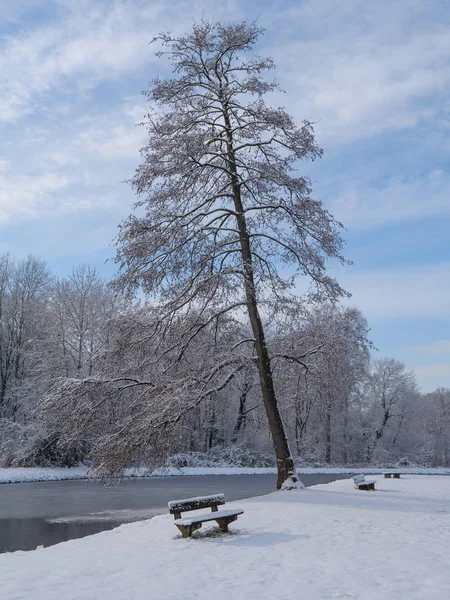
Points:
326	542
22	475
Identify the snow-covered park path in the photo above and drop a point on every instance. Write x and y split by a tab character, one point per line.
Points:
326	542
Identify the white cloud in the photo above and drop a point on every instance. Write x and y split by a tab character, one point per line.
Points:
397	200
94	42
119	141
75	169
360	68
5	165
433	370
24	196
438	347
400	292
88	43
433	376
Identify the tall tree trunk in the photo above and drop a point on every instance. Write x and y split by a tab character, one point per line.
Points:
345	436
2	398
241	418
378	435
297	432
285	463
328	431
445	450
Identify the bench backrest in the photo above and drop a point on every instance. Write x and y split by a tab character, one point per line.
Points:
359	479
179	506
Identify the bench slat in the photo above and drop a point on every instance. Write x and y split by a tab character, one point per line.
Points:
358	479
178	506
213	516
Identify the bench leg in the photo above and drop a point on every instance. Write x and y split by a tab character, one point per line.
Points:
387	475
187	530
366	486
223	523
396	475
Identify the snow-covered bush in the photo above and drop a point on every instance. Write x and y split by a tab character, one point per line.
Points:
33	446
231	456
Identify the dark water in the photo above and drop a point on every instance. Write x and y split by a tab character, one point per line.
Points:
46	513
27	534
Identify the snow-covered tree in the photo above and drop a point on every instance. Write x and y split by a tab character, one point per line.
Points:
323	359
81	309
23	289
221	206
437	425
389	399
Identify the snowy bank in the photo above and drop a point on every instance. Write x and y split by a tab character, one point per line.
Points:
23	475
28	474
325	542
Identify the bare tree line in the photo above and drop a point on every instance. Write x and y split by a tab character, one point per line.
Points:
80	382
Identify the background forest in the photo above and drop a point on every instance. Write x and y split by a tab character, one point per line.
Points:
338	405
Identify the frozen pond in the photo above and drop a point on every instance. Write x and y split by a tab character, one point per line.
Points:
46	513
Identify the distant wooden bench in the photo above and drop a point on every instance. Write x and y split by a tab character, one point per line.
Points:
187	525
362	483
392	475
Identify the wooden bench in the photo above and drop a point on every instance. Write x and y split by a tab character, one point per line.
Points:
362	483
187	525
392	475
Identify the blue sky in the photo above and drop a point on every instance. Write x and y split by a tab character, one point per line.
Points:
374	76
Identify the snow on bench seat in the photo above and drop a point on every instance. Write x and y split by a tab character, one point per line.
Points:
213	516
